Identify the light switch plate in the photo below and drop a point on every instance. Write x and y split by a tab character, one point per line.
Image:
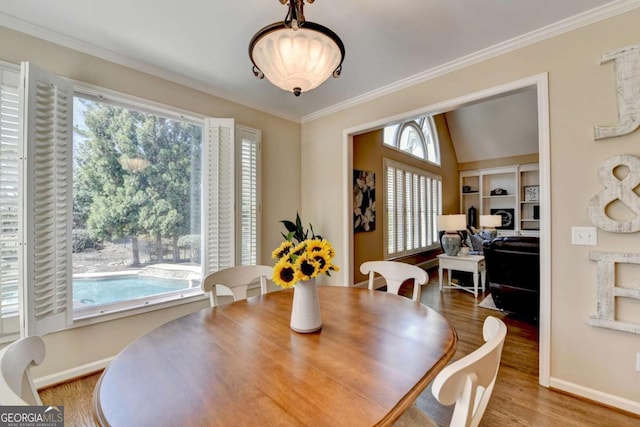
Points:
584	236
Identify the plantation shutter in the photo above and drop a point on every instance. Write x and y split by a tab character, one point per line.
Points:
9	188
413	202
47	140
218	195
390	210
436	206
248	142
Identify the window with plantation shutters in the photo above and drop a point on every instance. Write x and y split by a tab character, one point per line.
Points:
219	194
9	186
47	200
248	143
47	147
231	202
413	201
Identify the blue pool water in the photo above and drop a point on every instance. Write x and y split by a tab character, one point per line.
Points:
113	289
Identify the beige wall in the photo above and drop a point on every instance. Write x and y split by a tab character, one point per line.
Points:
281	168
368	154
592	361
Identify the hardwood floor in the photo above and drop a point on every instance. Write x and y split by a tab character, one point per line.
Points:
517	399
76	397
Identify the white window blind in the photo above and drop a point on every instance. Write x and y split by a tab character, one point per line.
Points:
9	186
248	193
47	146
218	195
413	201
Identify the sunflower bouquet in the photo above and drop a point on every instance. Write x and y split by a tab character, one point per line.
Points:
304	259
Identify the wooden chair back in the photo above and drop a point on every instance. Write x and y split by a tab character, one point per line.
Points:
395	274
235	281
469	381
16	359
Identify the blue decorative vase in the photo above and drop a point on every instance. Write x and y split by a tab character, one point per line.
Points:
451	244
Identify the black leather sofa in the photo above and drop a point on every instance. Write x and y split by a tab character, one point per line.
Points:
513	273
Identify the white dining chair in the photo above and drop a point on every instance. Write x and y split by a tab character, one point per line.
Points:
16	359
468	382
235	281
395	274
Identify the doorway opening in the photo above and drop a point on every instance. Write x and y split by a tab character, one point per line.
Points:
537	83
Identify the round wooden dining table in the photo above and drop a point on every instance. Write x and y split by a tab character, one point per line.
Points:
241	365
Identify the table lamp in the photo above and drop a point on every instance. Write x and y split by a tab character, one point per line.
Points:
451	224
489	224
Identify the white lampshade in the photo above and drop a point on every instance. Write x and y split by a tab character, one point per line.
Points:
298	60
451	222
490	221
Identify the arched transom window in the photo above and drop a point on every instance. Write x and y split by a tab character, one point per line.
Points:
417	137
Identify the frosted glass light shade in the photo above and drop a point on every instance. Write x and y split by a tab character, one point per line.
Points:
297	60
451	222
490	221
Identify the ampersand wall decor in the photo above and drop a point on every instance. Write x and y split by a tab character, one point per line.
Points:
627	69
617	189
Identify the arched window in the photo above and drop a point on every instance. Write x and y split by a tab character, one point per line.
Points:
417	137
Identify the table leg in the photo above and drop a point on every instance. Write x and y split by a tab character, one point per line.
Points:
440	277
483	277
475	284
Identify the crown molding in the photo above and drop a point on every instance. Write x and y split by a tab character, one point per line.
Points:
22	26
573	23
578	21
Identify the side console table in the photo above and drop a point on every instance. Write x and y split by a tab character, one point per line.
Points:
472	263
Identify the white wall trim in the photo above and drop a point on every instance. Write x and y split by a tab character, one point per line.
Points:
544	167
70	374
541	34
595	395
22	26
540	82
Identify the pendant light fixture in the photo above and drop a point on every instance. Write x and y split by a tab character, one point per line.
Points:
296	55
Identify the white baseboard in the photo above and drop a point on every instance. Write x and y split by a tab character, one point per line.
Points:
429	264
595	395
70	374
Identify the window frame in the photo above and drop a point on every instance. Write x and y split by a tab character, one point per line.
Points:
10	325
101	313
399	213
418	124
134	306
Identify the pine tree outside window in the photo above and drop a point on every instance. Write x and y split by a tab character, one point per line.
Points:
115	203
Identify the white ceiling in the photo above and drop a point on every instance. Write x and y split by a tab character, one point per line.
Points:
205	43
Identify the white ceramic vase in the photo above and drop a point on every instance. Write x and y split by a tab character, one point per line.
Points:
305	310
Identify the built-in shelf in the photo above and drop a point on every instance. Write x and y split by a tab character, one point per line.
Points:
512	205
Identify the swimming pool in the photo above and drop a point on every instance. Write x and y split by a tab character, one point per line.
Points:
105	290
